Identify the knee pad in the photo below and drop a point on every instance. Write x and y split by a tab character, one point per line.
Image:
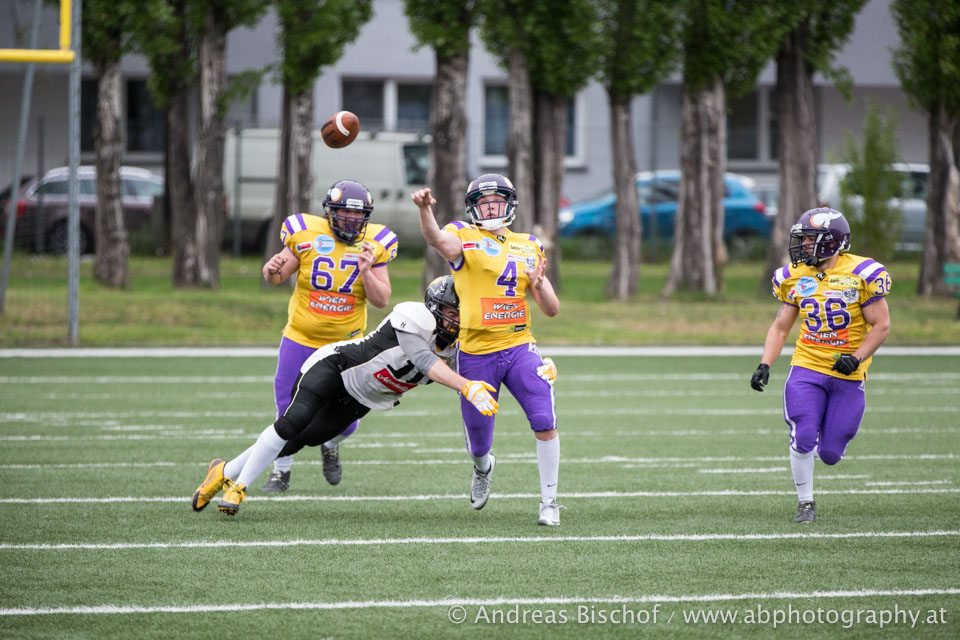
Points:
829	457
286	429
542	421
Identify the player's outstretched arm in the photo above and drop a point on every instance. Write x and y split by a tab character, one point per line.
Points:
446	244
477	392
280	266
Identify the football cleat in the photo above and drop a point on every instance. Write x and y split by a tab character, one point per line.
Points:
806	512
211	485
549	513
331	464
230	502
278	481
480	485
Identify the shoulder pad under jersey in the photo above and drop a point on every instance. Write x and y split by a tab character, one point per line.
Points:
413	317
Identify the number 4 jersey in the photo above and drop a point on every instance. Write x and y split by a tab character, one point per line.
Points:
831	309
329	303
491	283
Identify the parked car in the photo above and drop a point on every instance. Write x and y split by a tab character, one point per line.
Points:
138	187
745	218
911	199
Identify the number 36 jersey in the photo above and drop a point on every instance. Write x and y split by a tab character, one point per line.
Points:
831	309
329	303
491	283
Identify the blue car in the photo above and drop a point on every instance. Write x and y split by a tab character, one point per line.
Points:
745	216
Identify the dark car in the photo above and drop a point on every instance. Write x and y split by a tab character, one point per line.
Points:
42	207
745	218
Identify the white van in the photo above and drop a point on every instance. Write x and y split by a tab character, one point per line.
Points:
390	164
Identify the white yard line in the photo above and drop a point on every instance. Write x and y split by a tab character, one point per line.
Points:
476	602
499	496
372	542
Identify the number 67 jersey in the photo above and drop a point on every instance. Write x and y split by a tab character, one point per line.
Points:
831	309
491	283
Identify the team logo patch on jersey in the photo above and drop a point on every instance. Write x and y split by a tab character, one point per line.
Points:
850	295
397	386
490	247
844	282
522	248
807	286
496	311
324	244
329	303
304	246
471	246
834	339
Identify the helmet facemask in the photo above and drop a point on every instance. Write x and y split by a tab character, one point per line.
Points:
830	234
504	208
348	206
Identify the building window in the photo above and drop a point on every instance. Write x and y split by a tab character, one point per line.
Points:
146	124
413	107
88	114
742	127
496	120
365	98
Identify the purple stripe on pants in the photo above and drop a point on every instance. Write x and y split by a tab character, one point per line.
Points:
290	358
515	368
822	411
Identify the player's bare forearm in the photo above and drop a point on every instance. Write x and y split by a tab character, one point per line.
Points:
376	285
446	244
545	297
279	267
446	376
778	332
878	316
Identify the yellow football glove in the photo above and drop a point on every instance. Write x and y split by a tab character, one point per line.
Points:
478	393
548	370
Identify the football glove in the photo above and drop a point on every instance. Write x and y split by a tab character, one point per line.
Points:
548	370
846	364
478	393
760	377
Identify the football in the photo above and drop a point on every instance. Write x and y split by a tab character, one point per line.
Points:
340	129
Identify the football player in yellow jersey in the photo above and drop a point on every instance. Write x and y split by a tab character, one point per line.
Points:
493	269
341	263
841	299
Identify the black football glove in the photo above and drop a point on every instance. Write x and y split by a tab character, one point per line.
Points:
760	377
846	364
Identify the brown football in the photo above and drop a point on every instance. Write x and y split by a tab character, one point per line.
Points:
340	129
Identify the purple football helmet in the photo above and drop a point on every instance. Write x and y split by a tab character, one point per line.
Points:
831	233
348	195
486	185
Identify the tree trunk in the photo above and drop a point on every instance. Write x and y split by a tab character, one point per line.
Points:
551	127
796	146
942	243
282	202
302	141
182	213
208	193
698	252
112	245
448	148
626	255
520	141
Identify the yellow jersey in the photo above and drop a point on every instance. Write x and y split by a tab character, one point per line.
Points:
329	302
831	309
491	283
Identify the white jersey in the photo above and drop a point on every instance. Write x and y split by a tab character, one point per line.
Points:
375	369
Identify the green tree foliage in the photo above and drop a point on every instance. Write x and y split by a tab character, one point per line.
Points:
870	186
442	24
314	34
928	63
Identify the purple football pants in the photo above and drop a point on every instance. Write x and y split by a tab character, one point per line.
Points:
822	411
291	357
515	368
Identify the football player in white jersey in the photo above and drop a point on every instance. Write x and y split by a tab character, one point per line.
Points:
343	381
841	301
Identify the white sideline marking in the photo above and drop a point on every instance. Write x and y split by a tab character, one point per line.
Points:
362	542
667	462
574	351
500	496
112	609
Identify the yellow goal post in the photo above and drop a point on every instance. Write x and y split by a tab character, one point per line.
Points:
63	55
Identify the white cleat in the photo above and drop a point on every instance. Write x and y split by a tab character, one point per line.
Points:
480	485
549	513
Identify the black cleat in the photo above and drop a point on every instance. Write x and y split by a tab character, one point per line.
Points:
331	463
278	481
806	512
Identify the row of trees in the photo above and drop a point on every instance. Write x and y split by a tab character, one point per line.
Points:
551	51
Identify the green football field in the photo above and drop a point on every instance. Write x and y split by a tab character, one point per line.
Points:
674	476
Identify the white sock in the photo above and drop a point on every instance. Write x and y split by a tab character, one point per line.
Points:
233	467
266	448
548	463
482	463
802	466
283	464
335	440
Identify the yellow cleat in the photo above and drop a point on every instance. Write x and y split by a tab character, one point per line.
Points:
230	502
211	485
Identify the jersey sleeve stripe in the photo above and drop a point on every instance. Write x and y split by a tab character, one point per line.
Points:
459	225
867	303
862	266
780	275
389	240
456	266
287	226
383	234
